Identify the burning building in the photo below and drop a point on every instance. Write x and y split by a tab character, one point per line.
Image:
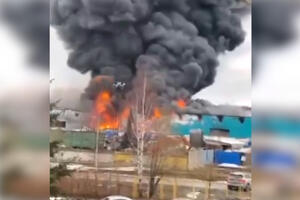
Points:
174	44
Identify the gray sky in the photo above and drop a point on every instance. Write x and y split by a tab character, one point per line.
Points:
232	84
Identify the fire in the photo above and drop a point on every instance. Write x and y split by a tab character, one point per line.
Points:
106	114
105	96
102	102
181	103
157	113
125	114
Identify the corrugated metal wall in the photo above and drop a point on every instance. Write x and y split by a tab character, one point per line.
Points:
81	139
200	157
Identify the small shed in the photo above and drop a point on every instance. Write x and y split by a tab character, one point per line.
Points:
228	157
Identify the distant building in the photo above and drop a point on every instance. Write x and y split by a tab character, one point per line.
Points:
225	121
69	119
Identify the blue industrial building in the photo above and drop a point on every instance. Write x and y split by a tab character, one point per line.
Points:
236	126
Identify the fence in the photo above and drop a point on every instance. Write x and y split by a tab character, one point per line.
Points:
88	184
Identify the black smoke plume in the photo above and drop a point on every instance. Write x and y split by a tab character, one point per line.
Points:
176	41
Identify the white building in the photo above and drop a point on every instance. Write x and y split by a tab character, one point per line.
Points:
69	119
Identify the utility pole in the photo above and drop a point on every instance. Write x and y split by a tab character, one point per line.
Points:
96	155
97	147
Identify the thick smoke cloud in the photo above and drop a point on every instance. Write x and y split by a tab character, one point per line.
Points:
177	41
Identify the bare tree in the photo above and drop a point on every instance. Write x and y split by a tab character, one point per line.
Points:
209	174
155	168
157	152
140	108
142	121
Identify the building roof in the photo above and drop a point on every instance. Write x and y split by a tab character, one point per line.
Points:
200	107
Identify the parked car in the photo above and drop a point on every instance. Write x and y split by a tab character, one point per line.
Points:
193	195
116	197
239	180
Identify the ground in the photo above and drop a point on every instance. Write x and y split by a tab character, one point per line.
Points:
86	183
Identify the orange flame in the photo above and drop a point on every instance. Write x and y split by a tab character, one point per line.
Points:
125	114
108	118
181	103
102	101
157	113
105	115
